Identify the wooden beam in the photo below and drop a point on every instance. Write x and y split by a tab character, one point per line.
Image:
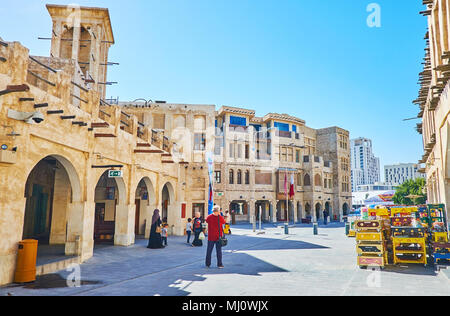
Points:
106	166
143	145
14	88
26	99
55	112
99	125
68	117
79	123
103	135
143	151
41	105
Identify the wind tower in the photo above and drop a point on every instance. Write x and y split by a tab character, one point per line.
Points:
84	35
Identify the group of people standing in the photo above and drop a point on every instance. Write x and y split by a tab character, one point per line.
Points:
213	227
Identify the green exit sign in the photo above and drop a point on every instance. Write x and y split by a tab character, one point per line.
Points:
115	174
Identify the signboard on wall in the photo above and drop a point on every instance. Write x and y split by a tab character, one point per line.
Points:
115	173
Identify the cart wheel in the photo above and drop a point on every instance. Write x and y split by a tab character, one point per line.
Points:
363	267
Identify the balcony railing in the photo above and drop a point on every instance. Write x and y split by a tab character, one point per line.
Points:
238	128
284	134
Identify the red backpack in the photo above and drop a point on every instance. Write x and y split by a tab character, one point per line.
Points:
197	223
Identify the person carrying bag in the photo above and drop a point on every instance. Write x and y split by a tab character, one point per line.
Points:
215	237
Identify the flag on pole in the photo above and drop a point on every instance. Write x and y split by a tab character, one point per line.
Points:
285	184
209	159
291	188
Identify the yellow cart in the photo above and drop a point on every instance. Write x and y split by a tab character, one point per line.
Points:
409	250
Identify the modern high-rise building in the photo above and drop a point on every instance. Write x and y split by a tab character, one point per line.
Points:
365	166
400	173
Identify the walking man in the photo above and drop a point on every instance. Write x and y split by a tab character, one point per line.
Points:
215	231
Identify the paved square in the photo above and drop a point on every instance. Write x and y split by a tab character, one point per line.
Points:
270	264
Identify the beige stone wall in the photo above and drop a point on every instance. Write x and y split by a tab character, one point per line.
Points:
434	104
76	150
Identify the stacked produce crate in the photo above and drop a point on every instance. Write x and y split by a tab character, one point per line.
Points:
409	245
439	245
372	242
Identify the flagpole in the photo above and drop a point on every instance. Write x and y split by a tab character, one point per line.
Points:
287	200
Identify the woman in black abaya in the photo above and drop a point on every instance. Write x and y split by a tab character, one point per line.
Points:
155	240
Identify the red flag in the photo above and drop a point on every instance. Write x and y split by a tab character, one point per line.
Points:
291	189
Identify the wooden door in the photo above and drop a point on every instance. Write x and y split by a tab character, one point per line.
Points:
137	217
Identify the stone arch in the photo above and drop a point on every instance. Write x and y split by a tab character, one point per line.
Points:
317	180
306	180
167	198
121	189
71	173
239	177
111	209
145	203
52	191
231	176
247	177
345	209
318	211
308	210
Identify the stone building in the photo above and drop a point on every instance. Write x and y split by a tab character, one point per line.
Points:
191	130
434	102
77	170
258	158
60	140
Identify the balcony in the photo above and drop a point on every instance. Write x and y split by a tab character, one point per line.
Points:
238	128
284	134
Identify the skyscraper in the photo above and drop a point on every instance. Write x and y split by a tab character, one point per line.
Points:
365	166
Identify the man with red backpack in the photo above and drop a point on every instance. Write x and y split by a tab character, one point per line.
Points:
197	228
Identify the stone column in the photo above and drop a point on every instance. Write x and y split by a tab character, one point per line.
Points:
76	42
56	39
61	199
125	220
80	230
251	211
294	210
273	211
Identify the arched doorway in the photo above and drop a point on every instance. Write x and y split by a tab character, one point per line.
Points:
109	200
282	211
239	210
145	203
52	187
308	213
318	211
329	210
167	199
262	207
345	209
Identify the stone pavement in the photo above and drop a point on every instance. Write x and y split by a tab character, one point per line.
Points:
271	264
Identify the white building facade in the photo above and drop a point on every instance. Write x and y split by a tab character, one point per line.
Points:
365	166
400	173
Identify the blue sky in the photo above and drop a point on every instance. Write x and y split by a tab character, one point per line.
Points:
317	60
